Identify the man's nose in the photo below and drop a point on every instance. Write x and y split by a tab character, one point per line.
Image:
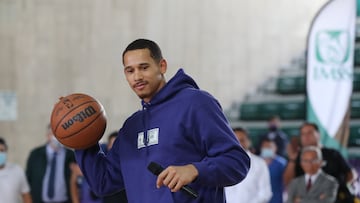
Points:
138	75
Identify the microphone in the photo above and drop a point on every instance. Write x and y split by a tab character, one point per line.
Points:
156	169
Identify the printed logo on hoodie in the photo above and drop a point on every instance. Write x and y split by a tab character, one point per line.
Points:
150	138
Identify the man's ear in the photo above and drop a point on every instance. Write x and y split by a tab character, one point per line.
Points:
163	66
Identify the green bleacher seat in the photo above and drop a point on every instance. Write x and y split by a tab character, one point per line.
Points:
256	131
291	85
357	56
290	110
294	110
356	82
269	109
297	85
354	136
355	108
250	111
255	134
353	156
291	131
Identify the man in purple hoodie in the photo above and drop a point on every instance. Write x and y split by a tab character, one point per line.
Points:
180	127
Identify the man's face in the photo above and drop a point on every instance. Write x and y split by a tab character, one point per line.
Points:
274	123
243	139
309	136
144	75
2	148
310	162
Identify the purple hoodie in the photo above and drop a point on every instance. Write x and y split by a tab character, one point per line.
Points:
180	125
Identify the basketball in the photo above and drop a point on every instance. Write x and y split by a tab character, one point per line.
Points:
78	121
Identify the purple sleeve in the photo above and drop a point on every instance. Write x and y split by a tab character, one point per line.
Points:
226	163
102	174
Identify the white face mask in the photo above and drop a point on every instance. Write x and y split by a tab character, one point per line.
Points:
267	153
3	157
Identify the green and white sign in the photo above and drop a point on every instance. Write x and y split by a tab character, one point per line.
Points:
330	67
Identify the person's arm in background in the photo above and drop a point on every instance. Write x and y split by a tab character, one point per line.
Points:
74	190
350	176
24	187
328	195
264	184
330	192
28	170
291	192
289	172
26	197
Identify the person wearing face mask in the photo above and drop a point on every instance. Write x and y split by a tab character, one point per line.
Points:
277	135
256	187
13	183
276	166
48	171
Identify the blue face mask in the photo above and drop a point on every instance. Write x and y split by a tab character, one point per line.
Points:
2	158
267	153
273	127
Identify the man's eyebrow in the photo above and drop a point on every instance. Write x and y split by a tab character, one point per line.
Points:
144	64
140	64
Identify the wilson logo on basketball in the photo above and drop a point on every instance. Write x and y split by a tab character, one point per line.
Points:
80	117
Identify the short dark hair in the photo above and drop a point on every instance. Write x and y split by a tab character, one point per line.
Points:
314	125
241	129
3	142
266	139
273	117
155	51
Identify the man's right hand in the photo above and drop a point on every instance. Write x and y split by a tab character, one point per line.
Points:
292	151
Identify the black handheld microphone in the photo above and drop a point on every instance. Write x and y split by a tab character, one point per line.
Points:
156	169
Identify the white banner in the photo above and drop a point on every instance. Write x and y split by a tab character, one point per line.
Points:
330	64
8	106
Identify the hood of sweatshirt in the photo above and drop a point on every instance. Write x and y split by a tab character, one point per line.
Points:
180	81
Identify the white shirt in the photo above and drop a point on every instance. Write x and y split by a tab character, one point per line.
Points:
255	188
313	177
60	183
13	183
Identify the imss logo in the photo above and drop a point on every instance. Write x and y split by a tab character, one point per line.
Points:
332	52
332	47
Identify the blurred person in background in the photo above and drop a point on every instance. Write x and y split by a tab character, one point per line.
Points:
276	166
119	197
277	135
79	188
48	171
256	187
314	186
13	183
335	165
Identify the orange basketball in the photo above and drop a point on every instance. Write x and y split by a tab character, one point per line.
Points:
78	121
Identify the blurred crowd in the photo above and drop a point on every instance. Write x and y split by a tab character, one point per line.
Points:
282	170
299	170
51	176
